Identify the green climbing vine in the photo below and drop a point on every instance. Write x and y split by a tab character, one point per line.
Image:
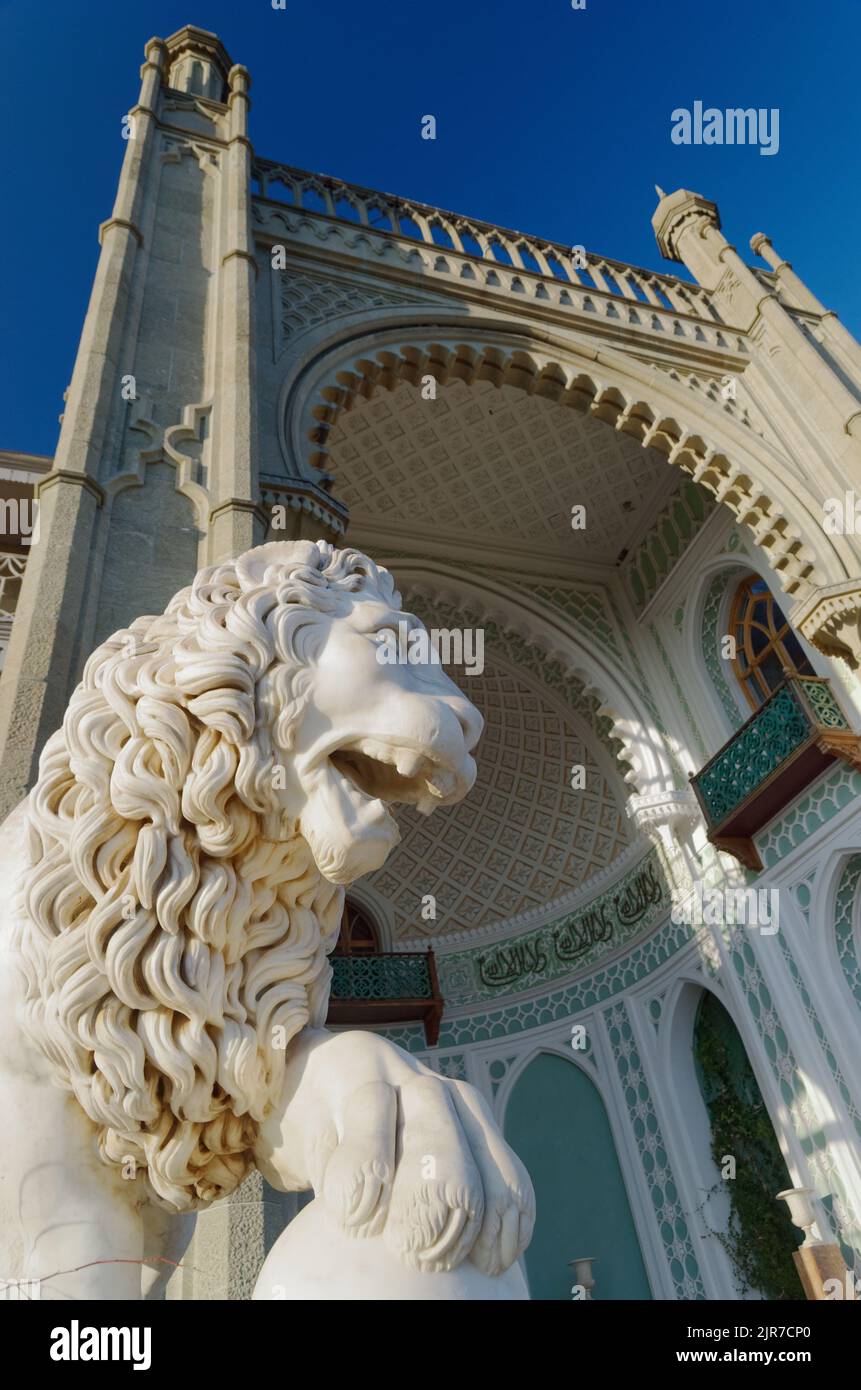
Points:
760	1237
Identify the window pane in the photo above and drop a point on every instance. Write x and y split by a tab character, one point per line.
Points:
772	670
795	655
759	640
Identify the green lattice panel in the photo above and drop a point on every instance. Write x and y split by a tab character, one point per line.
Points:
381	977
758	750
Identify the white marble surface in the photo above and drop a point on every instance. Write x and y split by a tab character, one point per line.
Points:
316	1260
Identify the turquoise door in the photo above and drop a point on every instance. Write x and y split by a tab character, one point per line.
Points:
557	1123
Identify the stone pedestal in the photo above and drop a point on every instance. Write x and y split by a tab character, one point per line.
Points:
315	1260
818	1263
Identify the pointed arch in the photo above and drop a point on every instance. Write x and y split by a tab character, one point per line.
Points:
658	409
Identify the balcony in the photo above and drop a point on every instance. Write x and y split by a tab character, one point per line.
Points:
798	732
387	987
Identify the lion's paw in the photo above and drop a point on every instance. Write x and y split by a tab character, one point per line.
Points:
419	1158
358	1176
437	1200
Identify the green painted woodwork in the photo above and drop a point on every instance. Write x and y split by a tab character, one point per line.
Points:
768	738
772	734
556	1122
405	976
825	707
627	908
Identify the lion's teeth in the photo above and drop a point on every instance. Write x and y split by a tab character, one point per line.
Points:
380	752
408	763
441	783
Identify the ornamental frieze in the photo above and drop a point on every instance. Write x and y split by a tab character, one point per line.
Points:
634	902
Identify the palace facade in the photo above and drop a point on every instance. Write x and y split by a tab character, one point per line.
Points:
640	935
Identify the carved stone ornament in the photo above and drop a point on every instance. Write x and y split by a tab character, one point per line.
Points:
830	618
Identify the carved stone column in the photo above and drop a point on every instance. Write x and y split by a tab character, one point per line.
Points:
232	1239
40	660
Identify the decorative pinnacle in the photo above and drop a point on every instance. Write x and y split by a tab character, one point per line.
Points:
660	192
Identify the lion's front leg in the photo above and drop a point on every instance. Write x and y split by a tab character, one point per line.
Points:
391	1147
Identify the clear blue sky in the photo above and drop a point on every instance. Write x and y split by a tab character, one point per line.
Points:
549	120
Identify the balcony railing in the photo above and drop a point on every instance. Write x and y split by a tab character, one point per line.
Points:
781	749
387	987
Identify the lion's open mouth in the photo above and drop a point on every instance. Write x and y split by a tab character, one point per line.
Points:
391	774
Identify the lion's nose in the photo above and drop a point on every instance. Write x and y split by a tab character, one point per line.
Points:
470	721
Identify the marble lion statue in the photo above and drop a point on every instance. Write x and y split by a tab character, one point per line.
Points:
171	888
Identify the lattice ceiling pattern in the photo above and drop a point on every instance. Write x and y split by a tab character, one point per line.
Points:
522	837
493	462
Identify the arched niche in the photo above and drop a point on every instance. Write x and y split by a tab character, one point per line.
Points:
740	1123
697	1108
556	1121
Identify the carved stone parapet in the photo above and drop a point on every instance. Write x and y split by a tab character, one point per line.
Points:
301	500
830	618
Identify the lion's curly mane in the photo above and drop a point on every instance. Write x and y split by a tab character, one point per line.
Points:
173	931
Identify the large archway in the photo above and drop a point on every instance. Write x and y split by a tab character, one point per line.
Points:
679	414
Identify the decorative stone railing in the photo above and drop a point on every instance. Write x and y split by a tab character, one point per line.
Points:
387	987
646	291
784	746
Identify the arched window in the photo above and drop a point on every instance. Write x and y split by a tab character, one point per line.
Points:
358	935
765	645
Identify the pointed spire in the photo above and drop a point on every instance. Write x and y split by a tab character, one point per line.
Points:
660	192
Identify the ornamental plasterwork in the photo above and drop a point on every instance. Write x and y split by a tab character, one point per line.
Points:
840	786
670	1215
495	464
523	837
794	1091
844	926
584	608
306	300
534	917
569	945
666	541
711	388
711	645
